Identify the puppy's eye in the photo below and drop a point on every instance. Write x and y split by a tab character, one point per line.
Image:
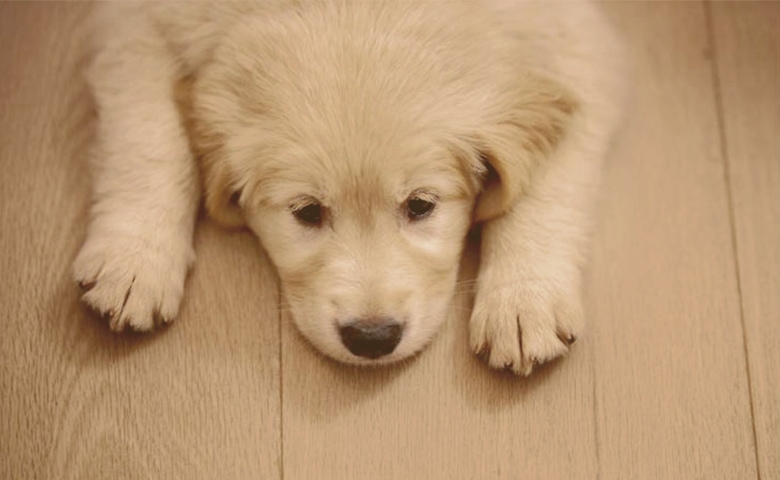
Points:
310	214
418	208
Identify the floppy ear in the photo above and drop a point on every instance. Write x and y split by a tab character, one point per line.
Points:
221	188
528	129
221	192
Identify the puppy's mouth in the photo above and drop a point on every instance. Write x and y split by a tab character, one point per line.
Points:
372	339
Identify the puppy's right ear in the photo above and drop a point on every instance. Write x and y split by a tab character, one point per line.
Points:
221	188
222	194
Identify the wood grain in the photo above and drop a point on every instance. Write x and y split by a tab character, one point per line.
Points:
671	383
747	40
199	400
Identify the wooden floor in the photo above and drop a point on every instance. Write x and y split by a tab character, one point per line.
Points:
678	376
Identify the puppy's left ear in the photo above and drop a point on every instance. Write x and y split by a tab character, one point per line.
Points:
530	125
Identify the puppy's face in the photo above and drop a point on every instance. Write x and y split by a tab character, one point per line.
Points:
366	242
355	147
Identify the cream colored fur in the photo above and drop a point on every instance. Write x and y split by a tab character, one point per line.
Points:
497	112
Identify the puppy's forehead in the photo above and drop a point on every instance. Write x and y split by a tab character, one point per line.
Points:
400	166
345	174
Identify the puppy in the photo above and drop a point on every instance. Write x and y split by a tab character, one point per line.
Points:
359	141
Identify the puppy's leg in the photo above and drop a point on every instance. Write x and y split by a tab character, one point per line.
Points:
528	307
138	248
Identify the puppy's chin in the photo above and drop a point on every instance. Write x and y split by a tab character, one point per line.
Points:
418	331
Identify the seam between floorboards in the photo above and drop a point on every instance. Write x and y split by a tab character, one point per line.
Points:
596	430
721	123
280	317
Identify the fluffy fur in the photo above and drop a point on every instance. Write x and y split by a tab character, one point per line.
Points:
494	112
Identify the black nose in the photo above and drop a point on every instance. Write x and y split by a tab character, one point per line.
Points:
371	338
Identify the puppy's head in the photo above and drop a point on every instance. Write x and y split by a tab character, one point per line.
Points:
360	148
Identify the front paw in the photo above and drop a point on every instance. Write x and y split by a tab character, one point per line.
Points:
134	282
518	324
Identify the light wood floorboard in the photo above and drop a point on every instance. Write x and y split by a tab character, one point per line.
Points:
671	381
747	41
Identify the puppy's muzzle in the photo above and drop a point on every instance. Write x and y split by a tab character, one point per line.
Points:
371	338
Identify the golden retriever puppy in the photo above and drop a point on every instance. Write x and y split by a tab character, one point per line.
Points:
359	141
